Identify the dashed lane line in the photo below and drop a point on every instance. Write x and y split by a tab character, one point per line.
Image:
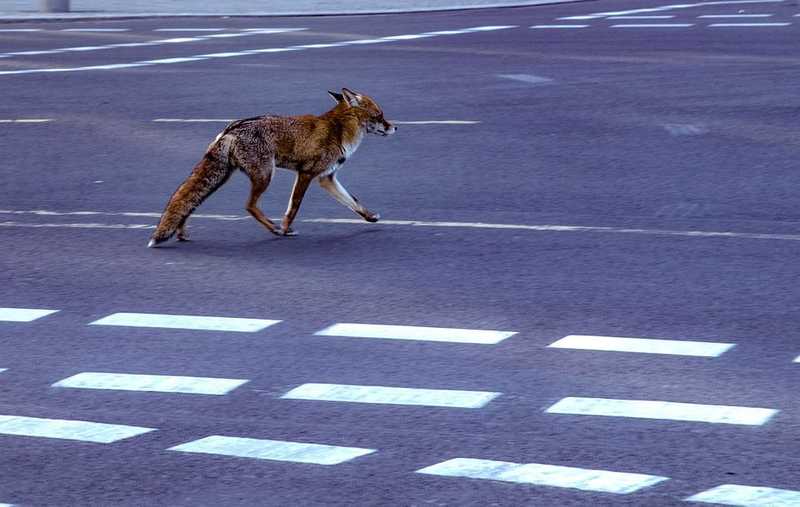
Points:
664	410
598	15
249	52
26	120
448	398
748	496
654	25
193	322
666	16
95	29
423	333
642	345
601	481
151	383
84	431
274	450
23	314
189	29
734	16
158	42
547	27
746	25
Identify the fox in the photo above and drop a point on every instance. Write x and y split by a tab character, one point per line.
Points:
314	147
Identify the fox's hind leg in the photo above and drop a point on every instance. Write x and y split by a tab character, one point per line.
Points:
260	177
183	234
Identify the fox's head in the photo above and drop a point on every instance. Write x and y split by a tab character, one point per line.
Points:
375	122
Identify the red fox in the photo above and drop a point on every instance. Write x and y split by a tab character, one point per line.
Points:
312	146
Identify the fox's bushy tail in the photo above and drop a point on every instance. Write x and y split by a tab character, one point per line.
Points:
207	176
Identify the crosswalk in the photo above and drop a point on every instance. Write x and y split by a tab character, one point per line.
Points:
552	475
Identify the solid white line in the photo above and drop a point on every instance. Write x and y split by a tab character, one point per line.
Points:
602	481
67	429
436	334
27	120
435	122
23	314
729	25
646	409
189	30
194	322
151	383
735	16
654	25
2	30
391	395
76	225
250	52
558	26
95	29
642	345
748	496
275	450
678	6
667	16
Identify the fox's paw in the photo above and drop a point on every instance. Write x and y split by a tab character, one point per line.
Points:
288	232
371	217
184	236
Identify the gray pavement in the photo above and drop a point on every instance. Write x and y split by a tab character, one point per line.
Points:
83	9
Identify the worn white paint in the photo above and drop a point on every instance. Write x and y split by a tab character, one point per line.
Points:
642	345
275	450
747	25
424	333
391	395
601	481
748	496
68	429
151	383
23	314
193	322
668	410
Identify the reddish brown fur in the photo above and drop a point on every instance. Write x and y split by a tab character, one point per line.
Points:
312	146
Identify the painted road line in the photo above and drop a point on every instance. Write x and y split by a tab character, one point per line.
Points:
527	78
676	6
646	409
740	25
391	395
249	52
797	359
435	334
653	25
12	30
26	120
23	314
602	481
67	429
666	16
714	16
3	369
113	213
194	322
76	225
274	450
642	345
151	383
157	42
748	496
95	29
189	29
543	27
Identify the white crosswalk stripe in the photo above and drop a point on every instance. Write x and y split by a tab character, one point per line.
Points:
602	481
649	409
68	429
391	395
193	322
275	450
437	334
151	383
642	345
748	496
23	314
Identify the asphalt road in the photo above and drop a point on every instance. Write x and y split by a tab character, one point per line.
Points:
671	150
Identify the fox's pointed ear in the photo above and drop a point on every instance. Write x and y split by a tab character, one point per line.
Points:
336	96
352	98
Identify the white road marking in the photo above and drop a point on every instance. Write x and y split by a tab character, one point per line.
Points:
527	78
3	369
67	429
391	395
194	120
731	25
748	496
189	30
95	29
76	225
158	42
602	481
647	409
398	122
797	359
558	26
672	7
4	30
249	52
194	322
735	16
654	25
151	383
275	450
685	129
642	345
26	120
23	314
666	16
436	334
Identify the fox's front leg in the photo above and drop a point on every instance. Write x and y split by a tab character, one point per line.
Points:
298	191
332	185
